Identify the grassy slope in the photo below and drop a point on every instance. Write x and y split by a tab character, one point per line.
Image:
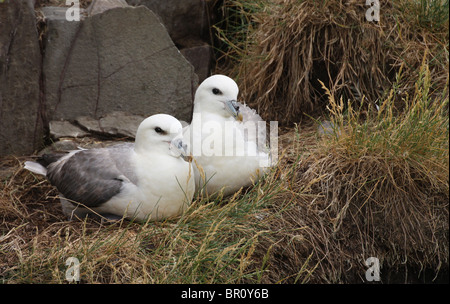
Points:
376	186
372	187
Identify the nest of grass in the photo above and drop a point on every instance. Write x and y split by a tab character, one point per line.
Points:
279	50
212	242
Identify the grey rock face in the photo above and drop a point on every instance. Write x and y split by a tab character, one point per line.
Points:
119	60
21	128
115	124
199	54
188	24
182	18
101	74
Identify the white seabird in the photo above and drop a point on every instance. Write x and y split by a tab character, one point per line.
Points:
226	138
145	180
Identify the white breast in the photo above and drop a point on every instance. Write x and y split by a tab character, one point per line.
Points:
164	189
226	157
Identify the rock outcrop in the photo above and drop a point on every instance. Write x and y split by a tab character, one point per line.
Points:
21	128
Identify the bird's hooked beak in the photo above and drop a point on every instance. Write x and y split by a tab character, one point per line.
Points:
233	108
179	148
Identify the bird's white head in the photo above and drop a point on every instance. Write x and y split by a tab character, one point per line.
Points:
159	133
217	94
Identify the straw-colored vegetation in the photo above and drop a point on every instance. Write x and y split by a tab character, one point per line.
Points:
280	49
376	184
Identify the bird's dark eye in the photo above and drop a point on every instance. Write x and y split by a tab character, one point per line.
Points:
216	91
159	130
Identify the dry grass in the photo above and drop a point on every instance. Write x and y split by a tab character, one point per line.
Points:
213	242
280	50
377	185
372	188
332	202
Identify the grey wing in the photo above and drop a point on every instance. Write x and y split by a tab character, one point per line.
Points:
92	177
121	156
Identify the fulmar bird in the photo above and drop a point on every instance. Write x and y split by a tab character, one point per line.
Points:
226	138
145	180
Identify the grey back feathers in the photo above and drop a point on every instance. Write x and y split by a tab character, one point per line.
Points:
94	176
